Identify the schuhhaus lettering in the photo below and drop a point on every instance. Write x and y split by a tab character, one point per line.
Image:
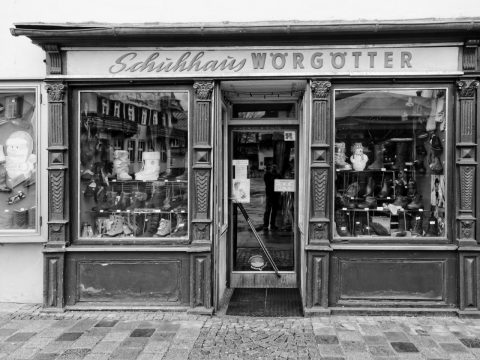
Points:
189	61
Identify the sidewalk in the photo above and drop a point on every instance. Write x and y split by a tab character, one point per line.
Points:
27	333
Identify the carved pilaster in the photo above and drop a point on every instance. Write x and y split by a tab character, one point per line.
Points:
317	279
53	281
201	295
467	162
53	59
202	169
321	123
470	55
57	166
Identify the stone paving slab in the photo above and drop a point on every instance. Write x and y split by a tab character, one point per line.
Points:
28	333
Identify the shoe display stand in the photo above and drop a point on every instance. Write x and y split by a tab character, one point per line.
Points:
381	203
135	208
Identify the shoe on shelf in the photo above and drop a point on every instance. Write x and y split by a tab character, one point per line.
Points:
369	203
416	203
341	224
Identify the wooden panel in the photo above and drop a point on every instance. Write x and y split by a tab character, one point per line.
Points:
201	281
317	280
393	278
469	282
53	280
134	281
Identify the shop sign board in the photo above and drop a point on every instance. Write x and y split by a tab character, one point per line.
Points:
239	62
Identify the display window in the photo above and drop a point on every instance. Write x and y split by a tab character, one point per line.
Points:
133	164
18	161
390	163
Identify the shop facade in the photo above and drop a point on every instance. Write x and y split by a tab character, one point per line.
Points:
174	152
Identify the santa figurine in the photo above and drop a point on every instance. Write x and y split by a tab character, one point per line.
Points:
19	160
358	159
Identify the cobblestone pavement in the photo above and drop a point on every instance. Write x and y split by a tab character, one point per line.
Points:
28	333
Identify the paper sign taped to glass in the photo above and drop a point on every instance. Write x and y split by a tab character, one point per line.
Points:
284	185
241	190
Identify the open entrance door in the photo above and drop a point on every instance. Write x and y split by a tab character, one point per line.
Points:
262	209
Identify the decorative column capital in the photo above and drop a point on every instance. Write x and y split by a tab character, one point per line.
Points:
467	88
203	89
320	89
55	91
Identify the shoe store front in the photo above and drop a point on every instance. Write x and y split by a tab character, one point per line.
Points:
337	159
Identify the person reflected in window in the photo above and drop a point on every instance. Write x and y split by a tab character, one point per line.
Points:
272	198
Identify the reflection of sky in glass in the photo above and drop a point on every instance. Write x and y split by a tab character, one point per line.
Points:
150	100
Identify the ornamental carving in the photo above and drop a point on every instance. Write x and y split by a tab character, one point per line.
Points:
321	89
467	177
203	90
319	231
319	183
202	184
466	229
467	88
56	232
55	92
56	192
200	231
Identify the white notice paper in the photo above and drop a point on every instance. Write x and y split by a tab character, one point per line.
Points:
241	190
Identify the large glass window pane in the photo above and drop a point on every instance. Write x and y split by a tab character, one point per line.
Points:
133	164
390	163
18	161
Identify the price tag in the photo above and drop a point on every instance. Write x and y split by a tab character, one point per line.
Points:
344	209
420	210
118	211
418	218
388	197
22	209
6	210
343	228
113	180
357	222
383	169
432	222
379	208
101	211
128	211
352	198
366	209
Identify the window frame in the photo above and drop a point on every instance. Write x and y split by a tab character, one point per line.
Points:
75	173
39	234
449	168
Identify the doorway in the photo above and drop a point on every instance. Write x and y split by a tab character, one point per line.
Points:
263	184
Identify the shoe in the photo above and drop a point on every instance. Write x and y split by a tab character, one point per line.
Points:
370	187
379	149
341	224
411	188
436	165
121	164
90	189
151	166
420	160
379	229
417	224
369	203
340	157
181	227
386	189
138	200
164	228
152	224
416	203
401	149
436	143
357	229
433	229
116	227
401	201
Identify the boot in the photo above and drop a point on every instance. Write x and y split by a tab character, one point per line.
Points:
400	155
401	201
419	163
370	187
152	224
125	201
181	227
379	149
411	188
416	203
138	200
417	224
341	224
437	147
120	165
436	165
369	203
340	157
433	229
386	188
164	228
358	229
151	166
109	204
116	227
3	178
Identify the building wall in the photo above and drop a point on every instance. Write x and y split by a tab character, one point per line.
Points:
21	273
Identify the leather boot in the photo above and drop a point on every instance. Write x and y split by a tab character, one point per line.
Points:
369	203
152	224
436	165
117	226
437	146
420	161
341	224
401	149
411	188
379	149
370	187
416	203
433	229
386	188
358	229
417	224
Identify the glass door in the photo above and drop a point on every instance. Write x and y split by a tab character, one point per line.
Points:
263	183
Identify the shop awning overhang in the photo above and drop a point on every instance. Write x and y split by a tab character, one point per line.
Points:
248	33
